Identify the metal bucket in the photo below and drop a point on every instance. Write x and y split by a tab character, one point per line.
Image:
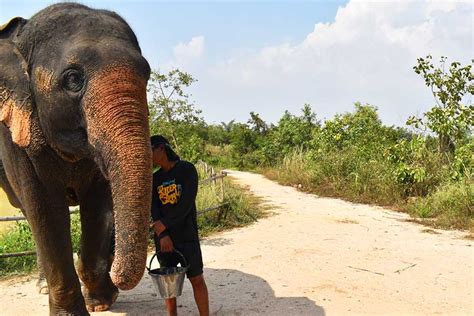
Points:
168	281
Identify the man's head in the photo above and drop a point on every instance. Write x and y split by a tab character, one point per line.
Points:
162	151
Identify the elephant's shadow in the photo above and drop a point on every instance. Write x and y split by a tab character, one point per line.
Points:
231	292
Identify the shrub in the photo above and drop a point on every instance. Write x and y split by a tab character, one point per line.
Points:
18	238
452	205
241	209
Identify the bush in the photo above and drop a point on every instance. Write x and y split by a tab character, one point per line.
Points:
462	166
292	132
452	206
18	238
416	167
241	209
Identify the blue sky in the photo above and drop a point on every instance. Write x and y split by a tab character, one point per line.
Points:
271	56
227	25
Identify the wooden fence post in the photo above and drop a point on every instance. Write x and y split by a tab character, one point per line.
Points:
222	188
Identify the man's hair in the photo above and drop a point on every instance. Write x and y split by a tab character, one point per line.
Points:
157	140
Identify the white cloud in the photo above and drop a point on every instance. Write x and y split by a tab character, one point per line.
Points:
366	55
185	54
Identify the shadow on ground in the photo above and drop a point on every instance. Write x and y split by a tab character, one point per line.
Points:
231	292
216	242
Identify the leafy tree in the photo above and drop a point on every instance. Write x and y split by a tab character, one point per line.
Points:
172	113
292	132
244	144
258	125
228	126
449	119
362	129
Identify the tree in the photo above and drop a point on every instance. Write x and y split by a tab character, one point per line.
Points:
258	125
173	115
171	112
228	126
292	132
449	119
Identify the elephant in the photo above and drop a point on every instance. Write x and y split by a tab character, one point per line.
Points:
74	131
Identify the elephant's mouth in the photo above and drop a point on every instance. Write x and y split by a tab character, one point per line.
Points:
69	157
71	145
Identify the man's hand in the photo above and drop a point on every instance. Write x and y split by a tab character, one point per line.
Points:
166	244
158	227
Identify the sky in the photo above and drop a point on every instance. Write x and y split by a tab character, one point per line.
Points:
272	56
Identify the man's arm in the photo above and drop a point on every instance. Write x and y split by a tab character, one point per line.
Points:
158	227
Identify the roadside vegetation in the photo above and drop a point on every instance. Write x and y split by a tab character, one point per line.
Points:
424	168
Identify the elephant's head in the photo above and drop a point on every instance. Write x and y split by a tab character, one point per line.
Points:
74	79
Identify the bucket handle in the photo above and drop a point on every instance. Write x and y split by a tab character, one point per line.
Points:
174	250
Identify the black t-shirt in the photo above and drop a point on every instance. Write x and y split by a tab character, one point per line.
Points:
174	201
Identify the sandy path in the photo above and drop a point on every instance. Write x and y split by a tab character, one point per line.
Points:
314	256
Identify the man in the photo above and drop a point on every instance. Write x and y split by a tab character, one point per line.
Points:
174	216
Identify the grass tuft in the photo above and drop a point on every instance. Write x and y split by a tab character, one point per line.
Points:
451	206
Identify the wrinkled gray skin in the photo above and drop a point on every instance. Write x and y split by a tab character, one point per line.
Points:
74	131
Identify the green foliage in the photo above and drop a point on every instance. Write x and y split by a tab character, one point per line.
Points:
291	133
451	205
244	143
173	115
418	168
76	232
449	118
18	238
462	166
220	135
354	156
192	148
241	208
257	124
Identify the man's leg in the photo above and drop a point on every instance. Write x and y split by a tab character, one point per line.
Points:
171	306
200	294
167	259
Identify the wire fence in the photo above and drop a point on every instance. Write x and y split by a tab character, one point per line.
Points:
212	178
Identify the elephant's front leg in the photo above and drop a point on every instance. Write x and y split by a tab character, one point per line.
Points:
51	229
41	284
96	255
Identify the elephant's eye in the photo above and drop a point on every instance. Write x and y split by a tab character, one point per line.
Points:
73	80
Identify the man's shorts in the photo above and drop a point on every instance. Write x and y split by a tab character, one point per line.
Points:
191	250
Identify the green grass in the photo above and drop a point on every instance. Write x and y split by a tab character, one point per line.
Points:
338	175
241	209
451	206
16	238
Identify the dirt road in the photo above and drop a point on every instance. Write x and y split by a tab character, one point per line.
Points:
313	256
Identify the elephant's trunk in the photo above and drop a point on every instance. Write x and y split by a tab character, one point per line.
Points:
117	127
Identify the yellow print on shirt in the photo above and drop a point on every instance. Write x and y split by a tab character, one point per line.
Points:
169	193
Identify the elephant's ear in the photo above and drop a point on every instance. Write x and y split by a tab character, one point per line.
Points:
15	97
